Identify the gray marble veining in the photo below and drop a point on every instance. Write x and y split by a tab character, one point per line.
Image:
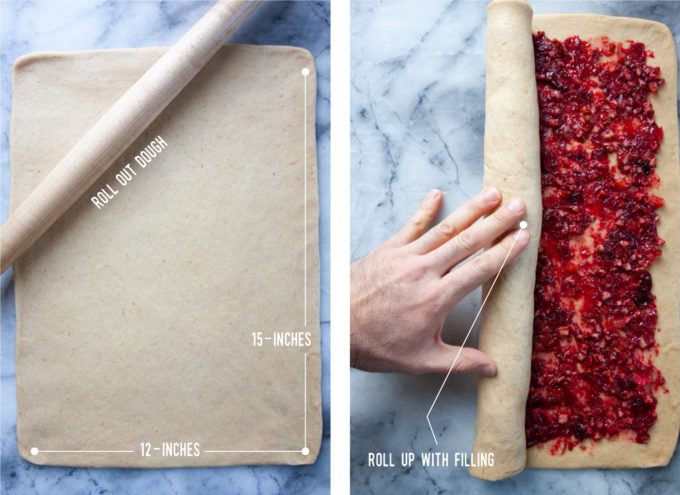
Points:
417	110
85	25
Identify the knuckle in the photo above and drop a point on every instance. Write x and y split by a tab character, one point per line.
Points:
481	265
463	365
477	208
502	216
466	241
419	222
447	229
508	241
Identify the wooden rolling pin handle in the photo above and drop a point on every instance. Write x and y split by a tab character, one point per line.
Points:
119	127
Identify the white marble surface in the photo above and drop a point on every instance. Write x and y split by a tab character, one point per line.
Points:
68	25
417	109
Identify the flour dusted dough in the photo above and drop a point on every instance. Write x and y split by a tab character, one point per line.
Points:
621	453
134	322
505	325
512	164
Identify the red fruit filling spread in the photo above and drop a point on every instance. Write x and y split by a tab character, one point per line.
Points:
595	319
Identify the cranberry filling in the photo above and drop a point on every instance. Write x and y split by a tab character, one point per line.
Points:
592	374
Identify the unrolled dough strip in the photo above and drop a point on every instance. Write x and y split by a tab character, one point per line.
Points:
617	452
135	321
506	325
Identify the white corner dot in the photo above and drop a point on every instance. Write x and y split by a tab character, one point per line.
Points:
34	451
305	451
305	72
523	225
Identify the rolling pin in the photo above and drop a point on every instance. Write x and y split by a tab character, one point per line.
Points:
118	128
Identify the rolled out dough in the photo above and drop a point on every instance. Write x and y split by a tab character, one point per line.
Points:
135	322
505	332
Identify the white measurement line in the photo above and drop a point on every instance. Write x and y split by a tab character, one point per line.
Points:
251	451
522	226
305	400
36	451
305	73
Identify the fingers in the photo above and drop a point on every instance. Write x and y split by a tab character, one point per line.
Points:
469	360
459	220
479	235
419	222
470	275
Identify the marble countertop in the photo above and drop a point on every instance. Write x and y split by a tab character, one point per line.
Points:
417	110
80	25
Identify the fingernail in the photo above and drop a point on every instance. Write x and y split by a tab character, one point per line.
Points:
516	205
491	194
433	195
522	235
489	369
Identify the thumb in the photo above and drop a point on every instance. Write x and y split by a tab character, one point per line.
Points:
469	360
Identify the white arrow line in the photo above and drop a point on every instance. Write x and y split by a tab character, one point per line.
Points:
36	451
305	400
522	226
252	451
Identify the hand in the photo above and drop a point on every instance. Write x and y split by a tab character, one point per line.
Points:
402	291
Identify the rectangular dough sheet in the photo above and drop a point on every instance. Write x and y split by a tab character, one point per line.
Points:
505	332
134	322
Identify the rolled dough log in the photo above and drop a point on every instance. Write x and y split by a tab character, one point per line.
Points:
512	164
135	321
501	400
